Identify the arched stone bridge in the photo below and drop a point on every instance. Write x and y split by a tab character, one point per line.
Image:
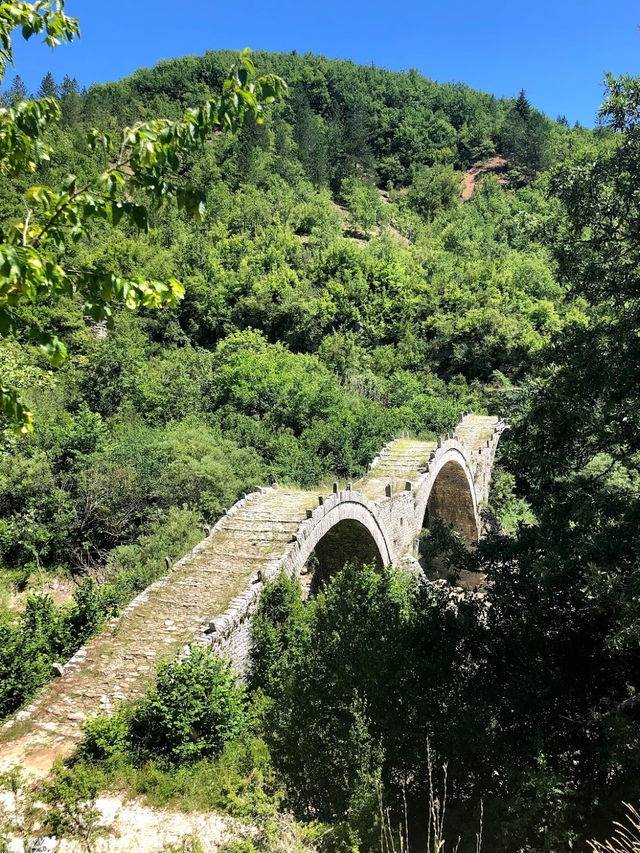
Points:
211	593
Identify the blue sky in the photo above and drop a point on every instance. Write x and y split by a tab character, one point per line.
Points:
557	51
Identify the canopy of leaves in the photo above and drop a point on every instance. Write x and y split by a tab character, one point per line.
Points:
139	168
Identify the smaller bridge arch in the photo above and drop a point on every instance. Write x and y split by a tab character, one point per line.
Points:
347	541
448	492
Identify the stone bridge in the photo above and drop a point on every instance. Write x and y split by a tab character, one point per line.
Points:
210	594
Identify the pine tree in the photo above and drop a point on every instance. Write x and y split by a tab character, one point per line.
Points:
525	137
310	138
48	87
70	100
69	87
18	90
522	105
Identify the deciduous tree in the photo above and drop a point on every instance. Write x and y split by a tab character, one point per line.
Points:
139	168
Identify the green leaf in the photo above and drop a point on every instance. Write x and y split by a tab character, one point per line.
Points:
139	216
117	211
16	410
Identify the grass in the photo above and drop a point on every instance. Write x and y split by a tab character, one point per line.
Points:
626	836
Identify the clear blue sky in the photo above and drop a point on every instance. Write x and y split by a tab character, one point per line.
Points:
557	51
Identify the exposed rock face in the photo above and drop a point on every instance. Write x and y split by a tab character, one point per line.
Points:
126	826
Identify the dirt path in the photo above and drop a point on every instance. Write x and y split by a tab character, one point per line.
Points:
494	165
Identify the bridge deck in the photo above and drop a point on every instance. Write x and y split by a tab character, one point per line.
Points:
118	663
404	460
476	431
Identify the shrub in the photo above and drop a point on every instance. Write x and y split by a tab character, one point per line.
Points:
278	632
72	796
45	633
194	708
105	737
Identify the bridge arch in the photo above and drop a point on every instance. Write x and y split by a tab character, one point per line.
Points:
449	493
264	533
347	527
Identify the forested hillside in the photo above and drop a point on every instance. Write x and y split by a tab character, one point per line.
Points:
337	292
321	314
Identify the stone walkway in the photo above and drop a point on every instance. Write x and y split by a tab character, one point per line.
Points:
118	663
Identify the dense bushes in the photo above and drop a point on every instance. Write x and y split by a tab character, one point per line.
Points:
383	670
194	708
44	633
366	691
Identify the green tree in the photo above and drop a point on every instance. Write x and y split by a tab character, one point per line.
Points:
526	136
434	189
564	619
310	136
343	668
69	100
522	105
140	165
17	91
48	87
364	204
278	631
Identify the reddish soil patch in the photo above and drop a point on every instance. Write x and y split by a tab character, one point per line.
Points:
492	166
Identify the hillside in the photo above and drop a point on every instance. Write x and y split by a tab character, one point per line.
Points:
382	254
297	349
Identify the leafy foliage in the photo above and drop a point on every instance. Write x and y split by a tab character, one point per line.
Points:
43	634
142	160
41	17
193	709
335	662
